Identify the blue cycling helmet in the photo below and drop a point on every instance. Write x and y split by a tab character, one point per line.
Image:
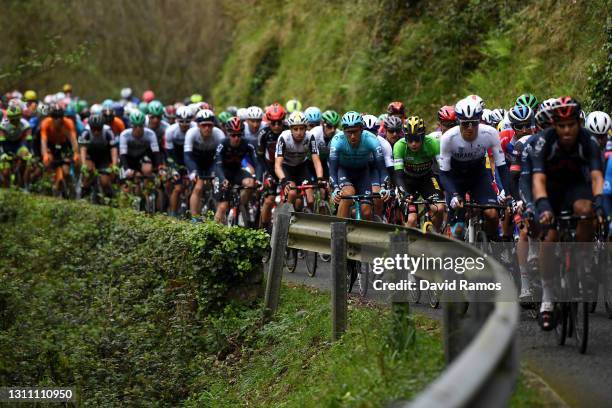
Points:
351	119
520	114
70	110
107	104
119	109
313	115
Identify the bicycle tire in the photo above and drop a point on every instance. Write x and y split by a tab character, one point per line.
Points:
415	295
310	257
351	274
363	278
562	323
434	298
579	314
427	227
291	259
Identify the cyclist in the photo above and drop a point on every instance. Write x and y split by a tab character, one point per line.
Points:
155	112
228	159
266	150
15	135
58	140
313	117
392	132
175	145
414	157
293	149
114	122
323	135
201	145
396	109
349	156
99	152
446	119
170	114
567	175
599	124
371	124
463	166
293	105
254	116
148	96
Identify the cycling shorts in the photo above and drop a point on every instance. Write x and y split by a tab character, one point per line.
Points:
100	161
235	179
426	187
135	163
480	189
61	154
298	174
563	196
358	178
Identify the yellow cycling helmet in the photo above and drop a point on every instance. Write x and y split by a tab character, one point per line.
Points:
414	126
30	96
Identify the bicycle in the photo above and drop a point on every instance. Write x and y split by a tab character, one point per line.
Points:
238	214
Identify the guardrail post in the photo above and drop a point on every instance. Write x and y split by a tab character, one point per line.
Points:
278	243
403	329
338	277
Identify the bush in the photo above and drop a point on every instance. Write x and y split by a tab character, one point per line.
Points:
114	302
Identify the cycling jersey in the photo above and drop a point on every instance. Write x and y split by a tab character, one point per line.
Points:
253	138
436	134
322	142
295	153
175	142
99	147
117	125
160	131
266	148
15	138
54	135
464	162
514	152
343	156
419	163
199	152
136	148
228	159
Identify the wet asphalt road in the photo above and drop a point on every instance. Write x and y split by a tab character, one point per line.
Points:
580	380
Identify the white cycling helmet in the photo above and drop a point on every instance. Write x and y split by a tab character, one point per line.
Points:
126	93
205	115
486	116
254	113
370	122
469	109
598	122
297	118
477	99
95	109
242	114
496	116
183	113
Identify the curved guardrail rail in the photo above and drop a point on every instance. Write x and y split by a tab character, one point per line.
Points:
480	347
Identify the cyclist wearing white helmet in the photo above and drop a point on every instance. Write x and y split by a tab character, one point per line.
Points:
293	149
599	124
463	150
254	116
371	123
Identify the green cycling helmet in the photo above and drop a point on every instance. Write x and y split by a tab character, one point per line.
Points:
293	105
527	100
81	105
225	116
14	112
137	118
143	107
382	117
331	118
156	108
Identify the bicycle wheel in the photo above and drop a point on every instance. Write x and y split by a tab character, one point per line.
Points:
351	274
434	298
324	210
363	277
311	262
415	294
579	315
427	227
291	259
562	322
482	242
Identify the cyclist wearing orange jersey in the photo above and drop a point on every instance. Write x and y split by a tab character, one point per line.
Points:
58	140
115	123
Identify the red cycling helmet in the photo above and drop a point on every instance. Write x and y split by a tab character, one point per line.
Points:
234	125
447	114
170	111
148	96
568	108
396	108
275	112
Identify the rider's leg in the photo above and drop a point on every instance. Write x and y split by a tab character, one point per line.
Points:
221	210
196	198
247	193
344	207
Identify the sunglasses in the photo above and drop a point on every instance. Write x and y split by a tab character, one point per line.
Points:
208	125
411	139
469	123
351	131
522	127
235	134
255	120
184	122
276	123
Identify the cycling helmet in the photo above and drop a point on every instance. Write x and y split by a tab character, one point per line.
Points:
331	118
598	123
242	113
447	114
30	96
370	123
155	108
254	113
126	93
486	116
107	113
351	119
568	108
224	117
414	126
382	117
170	112
82	105
67	88
14	111
107	104
70	111
56	110
137	118
95	109
119	109
148	96
469	108
293	105
275	112
393	123
195	98
143	107
313	115
232	109
396	108
297	118
582	117
544	116
43	109
496	116
96	122
520	114
183	114
477	99
234	125
205	115
527	99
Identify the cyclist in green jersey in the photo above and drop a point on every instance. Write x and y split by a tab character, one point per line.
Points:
413	160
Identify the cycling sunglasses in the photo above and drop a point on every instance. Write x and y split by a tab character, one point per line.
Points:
395	131
415	138
276	123
522	126
469	123
235	135
206	124
328	126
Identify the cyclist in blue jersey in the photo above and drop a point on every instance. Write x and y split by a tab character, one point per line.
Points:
349	154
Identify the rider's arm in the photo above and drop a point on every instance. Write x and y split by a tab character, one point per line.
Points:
123	149
44	127
278	158
219	163
314	154
525	181
73	135
500	163
399	152
596	167
156	159
257	163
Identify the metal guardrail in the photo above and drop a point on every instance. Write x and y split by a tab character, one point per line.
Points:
480	347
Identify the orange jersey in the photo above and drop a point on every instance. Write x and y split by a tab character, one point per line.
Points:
117	126
54	135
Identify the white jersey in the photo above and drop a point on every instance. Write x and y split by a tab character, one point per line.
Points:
387	151
322	144
436	134
251	137
461	156
295	153
175	136
194	142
